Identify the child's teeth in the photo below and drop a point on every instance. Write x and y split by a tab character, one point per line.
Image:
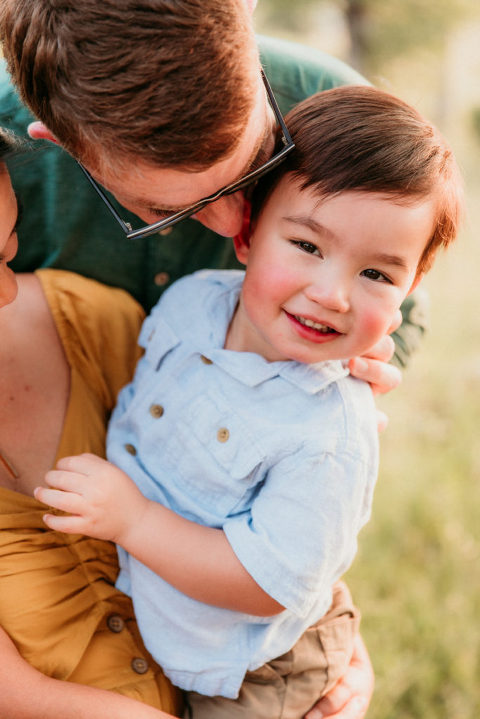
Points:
311	323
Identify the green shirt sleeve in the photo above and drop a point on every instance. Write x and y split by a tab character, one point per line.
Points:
65	225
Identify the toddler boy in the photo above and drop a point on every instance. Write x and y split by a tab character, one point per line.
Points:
253	453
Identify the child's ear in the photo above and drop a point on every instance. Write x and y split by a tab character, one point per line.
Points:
241	242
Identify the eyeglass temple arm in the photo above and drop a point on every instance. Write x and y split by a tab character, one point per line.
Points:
125	226
286	135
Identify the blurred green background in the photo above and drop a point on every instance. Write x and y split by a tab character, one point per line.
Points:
417	575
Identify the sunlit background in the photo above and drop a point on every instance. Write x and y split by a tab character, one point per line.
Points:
417	575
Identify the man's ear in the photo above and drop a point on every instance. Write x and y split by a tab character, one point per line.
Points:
38	131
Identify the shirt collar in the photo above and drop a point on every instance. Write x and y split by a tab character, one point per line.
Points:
204	334
252	369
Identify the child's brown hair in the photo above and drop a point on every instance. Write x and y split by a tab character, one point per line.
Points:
359	138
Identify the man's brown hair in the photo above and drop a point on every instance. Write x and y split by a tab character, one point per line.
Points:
171	82
359	138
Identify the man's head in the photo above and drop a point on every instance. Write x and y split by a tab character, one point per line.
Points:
362	139
132	88
345	228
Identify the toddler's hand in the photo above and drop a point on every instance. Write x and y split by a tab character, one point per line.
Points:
102	501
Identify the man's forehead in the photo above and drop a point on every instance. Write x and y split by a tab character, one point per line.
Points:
172	188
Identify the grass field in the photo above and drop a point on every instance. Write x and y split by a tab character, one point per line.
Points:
417	575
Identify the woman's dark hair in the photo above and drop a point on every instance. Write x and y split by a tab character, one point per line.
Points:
9	144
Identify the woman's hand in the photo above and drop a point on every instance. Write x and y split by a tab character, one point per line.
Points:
350	697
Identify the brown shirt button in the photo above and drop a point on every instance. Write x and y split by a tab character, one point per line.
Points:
205	360
139	665
156	410
223	434
130	449
161	278
115	623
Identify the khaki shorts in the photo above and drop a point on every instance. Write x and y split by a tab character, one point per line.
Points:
288	686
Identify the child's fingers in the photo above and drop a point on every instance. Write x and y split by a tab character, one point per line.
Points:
68	481
69	525
82	463
66	501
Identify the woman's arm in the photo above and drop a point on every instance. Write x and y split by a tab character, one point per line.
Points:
25	693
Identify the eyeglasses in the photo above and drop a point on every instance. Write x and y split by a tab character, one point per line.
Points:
250	177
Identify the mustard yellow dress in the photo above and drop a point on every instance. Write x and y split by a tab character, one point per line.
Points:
58	600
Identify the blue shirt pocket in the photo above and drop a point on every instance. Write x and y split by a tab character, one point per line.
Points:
218	458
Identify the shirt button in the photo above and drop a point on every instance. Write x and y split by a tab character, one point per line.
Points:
161	278
130	449
115	623
223	434
139	665
205	360
156	410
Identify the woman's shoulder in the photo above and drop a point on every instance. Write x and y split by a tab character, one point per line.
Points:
86	306
98	325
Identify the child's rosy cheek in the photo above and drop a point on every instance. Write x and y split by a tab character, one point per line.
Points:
375	323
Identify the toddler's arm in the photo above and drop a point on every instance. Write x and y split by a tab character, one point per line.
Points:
104	502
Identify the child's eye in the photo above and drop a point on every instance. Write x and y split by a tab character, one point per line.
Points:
307	247
376	276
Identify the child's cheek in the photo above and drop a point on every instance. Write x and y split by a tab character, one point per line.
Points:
375	324
273	285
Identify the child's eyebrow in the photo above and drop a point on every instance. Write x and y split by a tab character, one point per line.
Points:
395	260
311	224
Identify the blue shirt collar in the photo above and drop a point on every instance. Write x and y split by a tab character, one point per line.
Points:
204	333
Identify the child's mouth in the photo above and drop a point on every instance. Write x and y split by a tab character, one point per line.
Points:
324	329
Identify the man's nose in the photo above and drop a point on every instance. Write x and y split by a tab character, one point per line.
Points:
333	293
225	216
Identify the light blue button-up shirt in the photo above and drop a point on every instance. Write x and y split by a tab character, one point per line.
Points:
282	456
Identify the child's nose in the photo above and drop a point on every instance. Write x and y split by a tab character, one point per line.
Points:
332	294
